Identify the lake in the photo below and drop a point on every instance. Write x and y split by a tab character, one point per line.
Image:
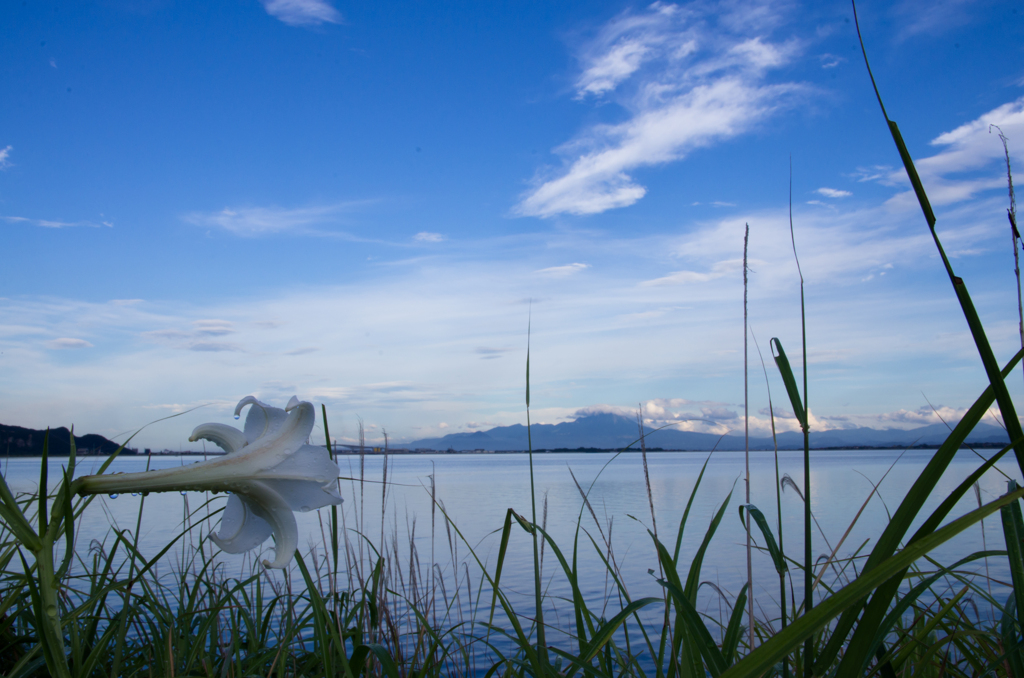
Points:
477	489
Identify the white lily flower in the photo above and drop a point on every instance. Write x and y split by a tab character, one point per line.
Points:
268	468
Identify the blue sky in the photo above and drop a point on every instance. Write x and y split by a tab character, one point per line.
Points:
356	204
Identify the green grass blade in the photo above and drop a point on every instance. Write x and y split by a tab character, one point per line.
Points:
44	468
334	507
696	630
1013	532
769	538
900	524
604	632
693	578
988	359
686	512
778	646
733	632
66	521
789	380
506	532
1009	627
14	519
881	598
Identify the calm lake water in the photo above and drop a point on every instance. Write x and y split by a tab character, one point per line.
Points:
477	490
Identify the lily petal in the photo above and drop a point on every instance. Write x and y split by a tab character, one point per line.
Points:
240	528
270	506
229	438
263	420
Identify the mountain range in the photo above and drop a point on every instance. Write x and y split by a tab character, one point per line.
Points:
614	431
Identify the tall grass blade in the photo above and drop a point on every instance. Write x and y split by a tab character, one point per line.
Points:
988	359
896	530
775	648
1009	627
1013	532
539	601
334	507
733	632
782	361
690	630
769	539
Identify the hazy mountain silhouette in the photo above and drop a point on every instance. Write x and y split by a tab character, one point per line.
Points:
614	431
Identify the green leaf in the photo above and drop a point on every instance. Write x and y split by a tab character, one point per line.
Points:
44	468
778	646
1008	627
14	518
604	632
506	532
1013	532
790	381
733	632
693	578
698	632
769	539
897	528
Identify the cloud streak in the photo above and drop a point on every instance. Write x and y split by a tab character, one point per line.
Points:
50	223
264	221
963	167
687	79
302	12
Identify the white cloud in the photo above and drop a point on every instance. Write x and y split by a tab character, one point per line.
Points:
971	161
302	12
830	60
833	193
5	154
213	327
718	270
923	416
426	236
214	346
933	17
257	221
563	271
49	223
68	342
689	87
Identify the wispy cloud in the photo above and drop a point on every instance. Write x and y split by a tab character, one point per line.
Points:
426	236
833	193
971	160
214	346
933	17
302	12
718	270
688	77
197	338
830	60
922	416
67	342
213	327
490	353
5	155
563	271
50	223
259	221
